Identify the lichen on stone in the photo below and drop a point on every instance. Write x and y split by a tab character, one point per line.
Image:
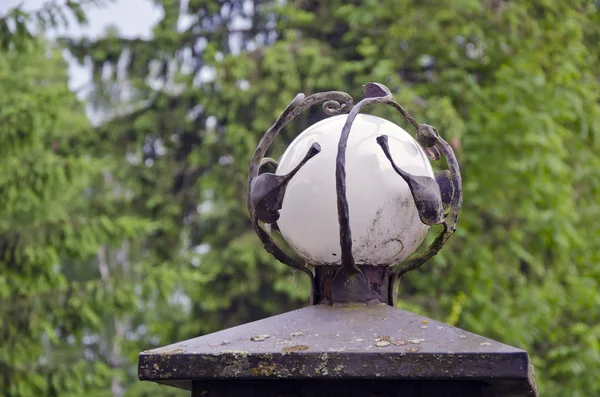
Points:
259	338
296	348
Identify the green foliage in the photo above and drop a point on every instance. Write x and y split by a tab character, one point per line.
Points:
155	196
66	229
17	26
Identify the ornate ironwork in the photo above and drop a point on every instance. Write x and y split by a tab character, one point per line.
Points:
438	200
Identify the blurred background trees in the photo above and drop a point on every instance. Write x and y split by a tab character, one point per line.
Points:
131	232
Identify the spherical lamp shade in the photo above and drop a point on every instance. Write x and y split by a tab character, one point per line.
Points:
384	221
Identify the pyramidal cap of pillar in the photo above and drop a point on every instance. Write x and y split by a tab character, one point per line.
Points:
341	342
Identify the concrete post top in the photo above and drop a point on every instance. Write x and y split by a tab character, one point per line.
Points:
358	341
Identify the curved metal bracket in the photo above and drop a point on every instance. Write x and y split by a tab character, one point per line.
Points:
374	93
334	102
267	190
450	183
425	190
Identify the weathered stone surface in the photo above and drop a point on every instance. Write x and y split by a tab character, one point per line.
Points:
372	341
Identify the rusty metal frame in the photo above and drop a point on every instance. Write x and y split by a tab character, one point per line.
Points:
438	201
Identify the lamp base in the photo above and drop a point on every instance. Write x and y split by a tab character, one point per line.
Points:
335	284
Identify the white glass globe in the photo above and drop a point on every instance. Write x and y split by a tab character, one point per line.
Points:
384	222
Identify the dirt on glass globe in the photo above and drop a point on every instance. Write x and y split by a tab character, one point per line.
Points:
384	221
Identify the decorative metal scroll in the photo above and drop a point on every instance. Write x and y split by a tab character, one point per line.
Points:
438	200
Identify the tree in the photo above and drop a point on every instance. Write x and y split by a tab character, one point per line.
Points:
67	271
513	86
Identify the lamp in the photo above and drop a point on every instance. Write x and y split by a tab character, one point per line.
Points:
354	196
